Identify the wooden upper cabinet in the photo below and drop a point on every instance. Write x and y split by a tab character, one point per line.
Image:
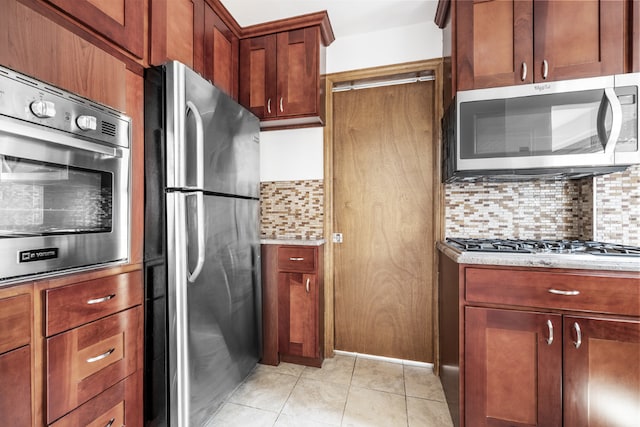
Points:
121	21
280	76
507	42
220	56
172	30
281	67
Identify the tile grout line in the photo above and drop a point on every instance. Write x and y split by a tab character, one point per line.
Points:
344	408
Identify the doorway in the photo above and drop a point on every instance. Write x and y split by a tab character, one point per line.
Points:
384	192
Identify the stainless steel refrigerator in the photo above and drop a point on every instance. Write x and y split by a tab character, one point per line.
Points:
202	251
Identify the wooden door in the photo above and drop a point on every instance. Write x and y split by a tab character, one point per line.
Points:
258	75
601	372
512	373
578	38
494	43
15	387
298	83
383	157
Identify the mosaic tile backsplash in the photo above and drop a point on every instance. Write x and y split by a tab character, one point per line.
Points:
292	209
548	209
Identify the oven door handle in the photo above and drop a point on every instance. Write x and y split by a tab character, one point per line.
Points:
16	128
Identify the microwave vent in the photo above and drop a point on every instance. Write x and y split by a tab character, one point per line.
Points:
108	128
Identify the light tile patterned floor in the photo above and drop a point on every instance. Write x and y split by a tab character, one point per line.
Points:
347	391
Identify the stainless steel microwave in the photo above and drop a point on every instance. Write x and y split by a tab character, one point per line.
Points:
571	128
64	181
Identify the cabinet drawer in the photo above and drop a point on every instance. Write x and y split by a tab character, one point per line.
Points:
85	361
15	322
80	303
295	258
566	291
117	406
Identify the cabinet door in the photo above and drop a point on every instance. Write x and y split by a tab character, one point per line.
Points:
601	372
578	39
15	387
494	43
174	26
220	53
297	73
513	362
121	21
298	314
258	75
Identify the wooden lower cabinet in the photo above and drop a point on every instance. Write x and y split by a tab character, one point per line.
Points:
293	304
544	369
538	346
601	372
15	387
513	365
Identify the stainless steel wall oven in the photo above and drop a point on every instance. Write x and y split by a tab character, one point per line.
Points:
64	180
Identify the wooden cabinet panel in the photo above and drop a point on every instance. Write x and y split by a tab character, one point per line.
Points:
298	72
295	258
121	21
15	322
172	30
494	43
258	75
15	387
71	306
297	314
568	291
221	50
601	372
578	38
120	405
87	360
508	42
513	374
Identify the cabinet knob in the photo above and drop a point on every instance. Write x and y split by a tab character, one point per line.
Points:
101	356
281	108
269	106
101	300
308	283
545	69
523	73
296	259
578	342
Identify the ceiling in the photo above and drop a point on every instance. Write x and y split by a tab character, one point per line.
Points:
348	17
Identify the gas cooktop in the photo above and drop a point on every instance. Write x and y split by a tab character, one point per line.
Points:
543	246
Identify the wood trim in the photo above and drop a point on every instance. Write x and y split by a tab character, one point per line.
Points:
225	16
635	36
441	13
320	19
436	66
48	11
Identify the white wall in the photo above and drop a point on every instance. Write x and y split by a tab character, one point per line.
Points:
297	154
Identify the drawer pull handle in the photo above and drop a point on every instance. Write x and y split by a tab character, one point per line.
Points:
296	259
110	423
101	356
578	342
561	292
523	74
308	283
550	327
99	300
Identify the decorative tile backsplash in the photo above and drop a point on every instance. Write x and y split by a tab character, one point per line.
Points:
292	209
547	209
617	204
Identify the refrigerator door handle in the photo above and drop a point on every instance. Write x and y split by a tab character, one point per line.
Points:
193	275
199	145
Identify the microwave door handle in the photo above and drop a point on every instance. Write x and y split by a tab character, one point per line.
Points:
610	98
193	275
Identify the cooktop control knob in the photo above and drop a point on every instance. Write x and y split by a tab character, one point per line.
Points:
87	122
43	109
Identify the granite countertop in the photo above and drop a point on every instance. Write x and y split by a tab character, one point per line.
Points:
575	261
298	242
